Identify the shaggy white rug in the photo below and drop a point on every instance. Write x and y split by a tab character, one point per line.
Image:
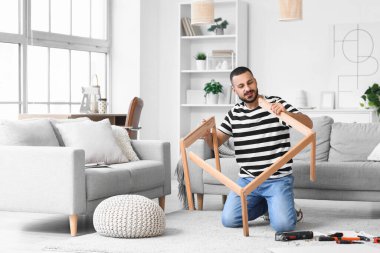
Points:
202	231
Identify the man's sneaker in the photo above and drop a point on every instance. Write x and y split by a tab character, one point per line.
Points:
265	216
299	214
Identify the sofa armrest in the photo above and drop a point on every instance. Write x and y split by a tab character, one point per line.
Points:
42	179
158	151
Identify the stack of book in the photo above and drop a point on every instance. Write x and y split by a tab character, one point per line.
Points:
189	29
222	53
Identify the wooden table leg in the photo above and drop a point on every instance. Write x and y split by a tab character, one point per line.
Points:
244	214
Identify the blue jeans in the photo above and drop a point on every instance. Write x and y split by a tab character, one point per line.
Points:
274	196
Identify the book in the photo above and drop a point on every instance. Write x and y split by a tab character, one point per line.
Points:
197	30
222	53
184	26
189	27
96	165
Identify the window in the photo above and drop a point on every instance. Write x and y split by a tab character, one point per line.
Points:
44	64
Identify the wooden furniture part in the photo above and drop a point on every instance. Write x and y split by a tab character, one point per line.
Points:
310	138
115	119
133	118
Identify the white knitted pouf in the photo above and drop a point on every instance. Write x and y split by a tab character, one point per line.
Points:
129	216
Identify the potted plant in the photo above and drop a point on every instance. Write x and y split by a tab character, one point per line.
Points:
200	59
371	98
212	90
219	26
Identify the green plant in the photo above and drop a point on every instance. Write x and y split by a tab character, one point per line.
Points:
213	87
200	56
371	97
218	24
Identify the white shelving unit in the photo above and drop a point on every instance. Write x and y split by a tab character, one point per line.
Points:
234	38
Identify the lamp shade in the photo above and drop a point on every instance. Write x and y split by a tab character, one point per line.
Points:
290	10
202	12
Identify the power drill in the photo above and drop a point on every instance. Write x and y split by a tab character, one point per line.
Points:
295	235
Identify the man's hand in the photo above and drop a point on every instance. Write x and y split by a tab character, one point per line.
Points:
207	136
222	137
277	108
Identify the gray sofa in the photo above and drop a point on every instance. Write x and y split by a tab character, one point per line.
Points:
51	179
343	171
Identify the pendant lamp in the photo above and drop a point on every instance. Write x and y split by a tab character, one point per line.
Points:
290	10
202	12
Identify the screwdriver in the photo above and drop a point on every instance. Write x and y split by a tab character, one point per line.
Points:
348	242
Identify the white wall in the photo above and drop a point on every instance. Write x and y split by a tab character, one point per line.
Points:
134	60
288	56
285	56
149	75
125	54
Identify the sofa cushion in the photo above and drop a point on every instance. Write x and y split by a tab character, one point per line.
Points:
229	168
322	127
123	178
353	141
350	176
32	132
95	138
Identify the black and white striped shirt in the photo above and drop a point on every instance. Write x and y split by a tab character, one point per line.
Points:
259	137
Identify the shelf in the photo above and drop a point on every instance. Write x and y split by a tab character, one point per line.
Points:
207	71
207	105
207	37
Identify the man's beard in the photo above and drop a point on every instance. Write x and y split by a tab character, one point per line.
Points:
253	99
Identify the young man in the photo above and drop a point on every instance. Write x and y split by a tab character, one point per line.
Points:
259	138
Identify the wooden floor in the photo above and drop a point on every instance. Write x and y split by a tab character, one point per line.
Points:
30	232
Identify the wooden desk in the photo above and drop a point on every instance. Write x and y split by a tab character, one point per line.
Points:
115	119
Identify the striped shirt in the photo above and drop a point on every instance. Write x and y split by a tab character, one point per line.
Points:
259	137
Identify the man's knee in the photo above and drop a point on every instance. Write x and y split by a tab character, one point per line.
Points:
230	221
283	225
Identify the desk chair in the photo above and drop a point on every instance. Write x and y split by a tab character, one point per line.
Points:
133	117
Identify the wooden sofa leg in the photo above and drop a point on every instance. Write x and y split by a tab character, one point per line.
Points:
200	201
73	224
161	202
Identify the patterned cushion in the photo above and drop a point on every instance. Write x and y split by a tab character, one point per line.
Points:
129	216
124	142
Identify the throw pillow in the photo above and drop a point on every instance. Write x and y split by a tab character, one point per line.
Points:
122	138
352	142
95	138
375	154
322	127
31	132
53	122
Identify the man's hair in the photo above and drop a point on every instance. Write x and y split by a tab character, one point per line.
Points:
239	71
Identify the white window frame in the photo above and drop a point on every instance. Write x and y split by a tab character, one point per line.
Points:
49	40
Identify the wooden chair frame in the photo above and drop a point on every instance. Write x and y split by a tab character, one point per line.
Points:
309	138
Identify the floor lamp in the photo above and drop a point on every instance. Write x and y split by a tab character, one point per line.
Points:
199	132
